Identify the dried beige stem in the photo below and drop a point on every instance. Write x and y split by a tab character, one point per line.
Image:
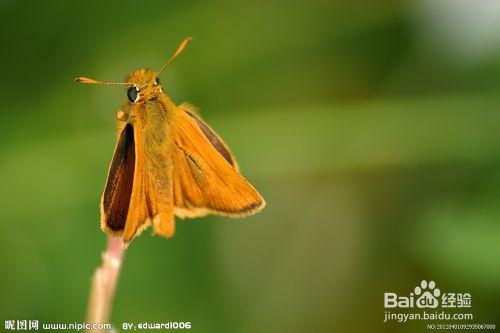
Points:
104	283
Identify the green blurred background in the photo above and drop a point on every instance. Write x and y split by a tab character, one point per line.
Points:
372	130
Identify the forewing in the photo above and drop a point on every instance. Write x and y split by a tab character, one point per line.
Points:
204	180
211	136
116	197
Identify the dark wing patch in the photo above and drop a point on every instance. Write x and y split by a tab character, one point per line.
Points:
116	197
213	138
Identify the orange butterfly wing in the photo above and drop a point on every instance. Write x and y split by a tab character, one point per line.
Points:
205	177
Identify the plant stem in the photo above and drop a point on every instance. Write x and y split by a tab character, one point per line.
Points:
104	283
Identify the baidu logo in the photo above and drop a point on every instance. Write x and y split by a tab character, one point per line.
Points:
427	295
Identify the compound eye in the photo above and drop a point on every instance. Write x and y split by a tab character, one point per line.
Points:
132	94
157	81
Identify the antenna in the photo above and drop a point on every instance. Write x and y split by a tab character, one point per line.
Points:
92	81
179	50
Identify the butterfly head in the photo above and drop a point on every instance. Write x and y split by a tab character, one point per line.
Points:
145	85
